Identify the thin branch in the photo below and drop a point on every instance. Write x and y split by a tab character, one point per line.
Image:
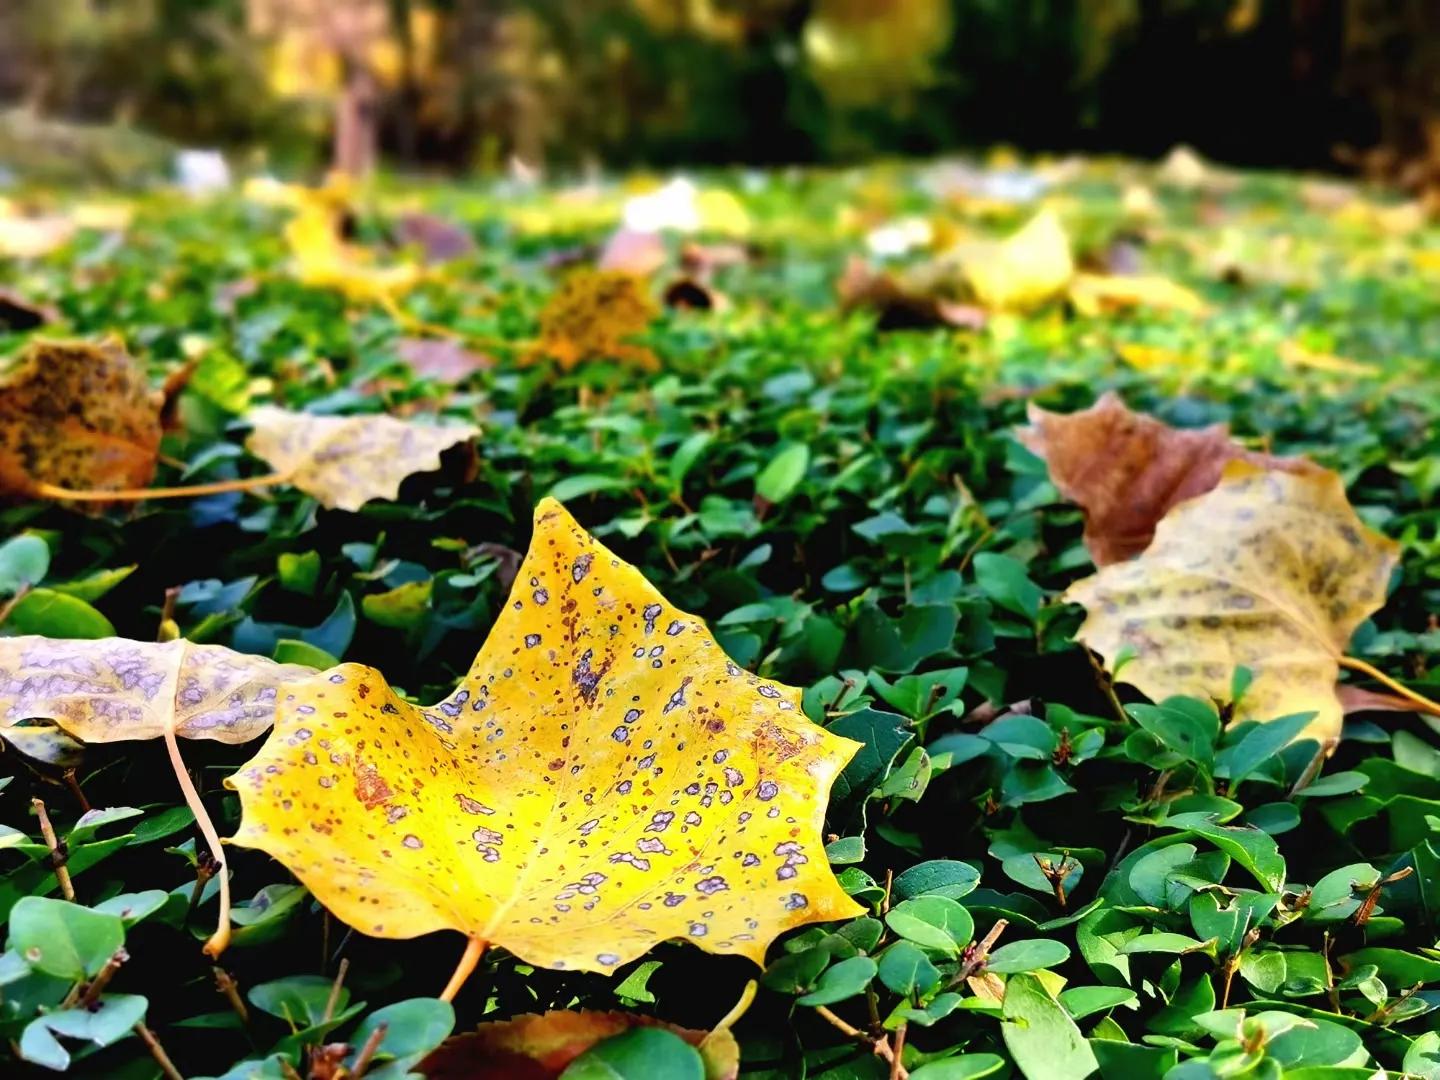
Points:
97	985
167	1067
334	999
58	854
218	487
879	1046
368	1051
978	954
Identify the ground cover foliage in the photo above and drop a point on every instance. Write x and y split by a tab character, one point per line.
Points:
1056	876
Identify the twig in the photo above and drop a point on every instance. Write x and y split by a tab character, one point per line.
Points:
14	601
889	881
225	983
1312	770
368	1051
218	487
977	955
1390	1006
334	999
74	785
158	1052
97	985
896	1068
879	1046
58	854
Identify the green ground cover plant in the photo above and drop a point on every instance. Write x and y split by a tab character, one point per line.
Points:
1055	875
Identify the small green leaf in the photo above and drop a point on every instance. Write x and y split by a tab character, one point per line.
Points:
641	1053
843	980
779	479
64	939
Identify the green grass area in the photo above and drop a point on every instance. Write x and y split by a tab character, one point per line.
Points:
849	510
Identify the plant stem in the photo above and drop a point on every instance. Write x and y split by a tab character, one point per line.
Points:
167	1067
57	853
221	938
368	1051
1420	701
732	1017
218	487
225	983
879	1046
979	953
334	999
97	985
474	950
897	1070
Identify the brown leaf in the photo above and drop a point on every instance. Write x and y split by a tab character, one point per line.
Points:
1356	699
438	240
692	294
540	1046
1125	469
633	251
899	305
76	414
441	359
18	313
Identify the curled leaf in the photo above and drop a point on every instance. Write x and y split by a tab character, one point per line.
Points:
593	316
1126	470
18	313
904	304
345	461
603	779
1271	570
80	415
539	1046
114	689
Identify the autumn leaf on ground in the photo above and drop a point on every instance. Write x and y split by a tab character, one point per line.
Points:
593	316
1126	470
1293	354
77	415
441	359
902	304
117	690
25	236
437	239
539	1046
1104	294
345	461
1271	570
324	261
18	313
633	251
603	779
1025	270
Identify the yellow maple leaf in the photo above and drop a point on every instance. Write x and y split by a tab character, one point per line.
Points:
117	690
1270	570
593	316
1103	294
1025	270
345	461
603	779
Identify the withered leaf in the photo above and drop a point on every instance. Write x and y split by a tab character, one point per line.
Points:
1271	570
77	415
1126	469
345	461
593	316
603	779
18	313
538	1046
903	304
441	359
438	240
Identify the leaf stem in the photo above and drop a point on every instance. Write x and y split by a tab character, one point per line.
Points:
879	1046
334	999
474	950
732	1017
221	938
218	487
1421	702
57	852
167	1067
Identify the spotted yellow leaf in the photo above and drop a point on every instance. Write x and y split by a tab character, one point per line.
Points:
345	461
1025	270
593	316
1270	570
603	779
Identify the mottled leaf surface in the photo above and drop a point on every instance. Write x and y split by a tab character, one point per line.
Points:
1271	570
345	461
603	779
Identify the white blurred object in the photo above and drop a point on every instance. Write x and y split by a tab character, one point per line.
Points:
896	238
201	171
673	206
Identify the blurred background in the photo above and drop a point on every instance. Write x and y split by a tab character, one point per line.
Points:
112	88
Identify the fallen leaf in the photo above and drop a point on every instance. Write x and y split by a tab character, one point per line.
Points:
633	251
23	237
77	415
1293	354
593	316
18	313
1356	699
345	461
538	1046
115	689
692	294
902	305
441	359
1025	270
1126	470
1101	294
603	779
1271	570
324	261
437	239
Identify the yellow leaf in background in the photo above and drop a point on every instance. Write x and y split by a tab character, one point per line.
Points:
1139	204
722	212
115	689
1032	266
602	780
24	237
1184	168
1101	294
77	415
323	261
103	216
592	316
345	461
1270	570
1294	354
1150	357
